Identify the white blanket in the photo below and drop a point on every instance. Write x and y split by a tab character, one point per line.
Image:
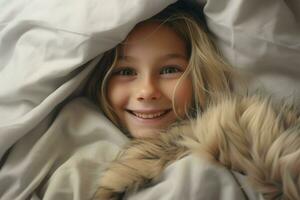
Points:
66	162
262	39
47	50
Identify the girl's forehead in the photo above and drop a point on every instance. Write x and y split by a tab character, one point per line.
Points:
144	28
152	34
148	30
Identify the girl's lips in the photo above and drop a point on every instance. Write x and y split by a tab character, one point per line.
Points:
149	115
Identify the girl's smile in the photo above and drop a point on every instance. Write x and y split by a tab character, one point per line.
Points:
149	117
149	114
143	84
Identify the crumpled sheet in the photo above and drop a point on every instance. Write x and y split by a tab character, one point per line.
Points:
262	39
66	162
54	147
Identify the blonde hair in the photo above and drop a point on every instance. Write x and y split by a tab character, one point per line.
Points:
209	73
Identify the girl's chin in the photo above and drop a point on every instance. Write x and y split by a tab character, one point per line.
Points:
145	133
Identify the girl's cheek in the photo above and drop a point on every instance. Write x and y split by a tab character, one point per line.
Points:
117	93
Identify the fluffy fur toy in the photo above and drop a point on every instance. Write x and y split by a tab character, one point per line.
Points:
251	135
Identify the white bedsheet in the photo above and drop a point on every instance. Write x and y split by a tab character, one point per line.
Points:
46	52
44	46
65	163
262	39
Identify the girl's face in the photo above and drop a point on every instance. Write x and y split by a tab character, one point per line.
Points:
142	84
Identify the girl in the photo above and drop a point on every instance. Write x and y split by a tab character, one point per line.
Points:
166	71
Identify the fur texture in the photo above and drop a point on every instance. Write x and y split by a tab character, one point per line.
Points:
247	134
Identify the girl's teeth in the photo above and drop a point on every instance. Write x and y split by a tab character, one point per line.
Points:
149	116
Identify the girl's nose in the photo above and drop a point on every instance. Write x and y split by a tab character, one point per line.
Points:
148	90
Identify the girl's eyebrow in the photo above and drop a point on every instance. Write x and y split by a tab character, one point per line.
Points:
173	55
164	57
127	58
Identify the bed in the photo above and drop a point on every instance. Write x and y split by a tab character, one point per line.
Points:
54	142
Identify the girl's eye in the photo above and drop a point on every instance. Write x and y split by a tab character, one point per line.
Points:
126	71
170	70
